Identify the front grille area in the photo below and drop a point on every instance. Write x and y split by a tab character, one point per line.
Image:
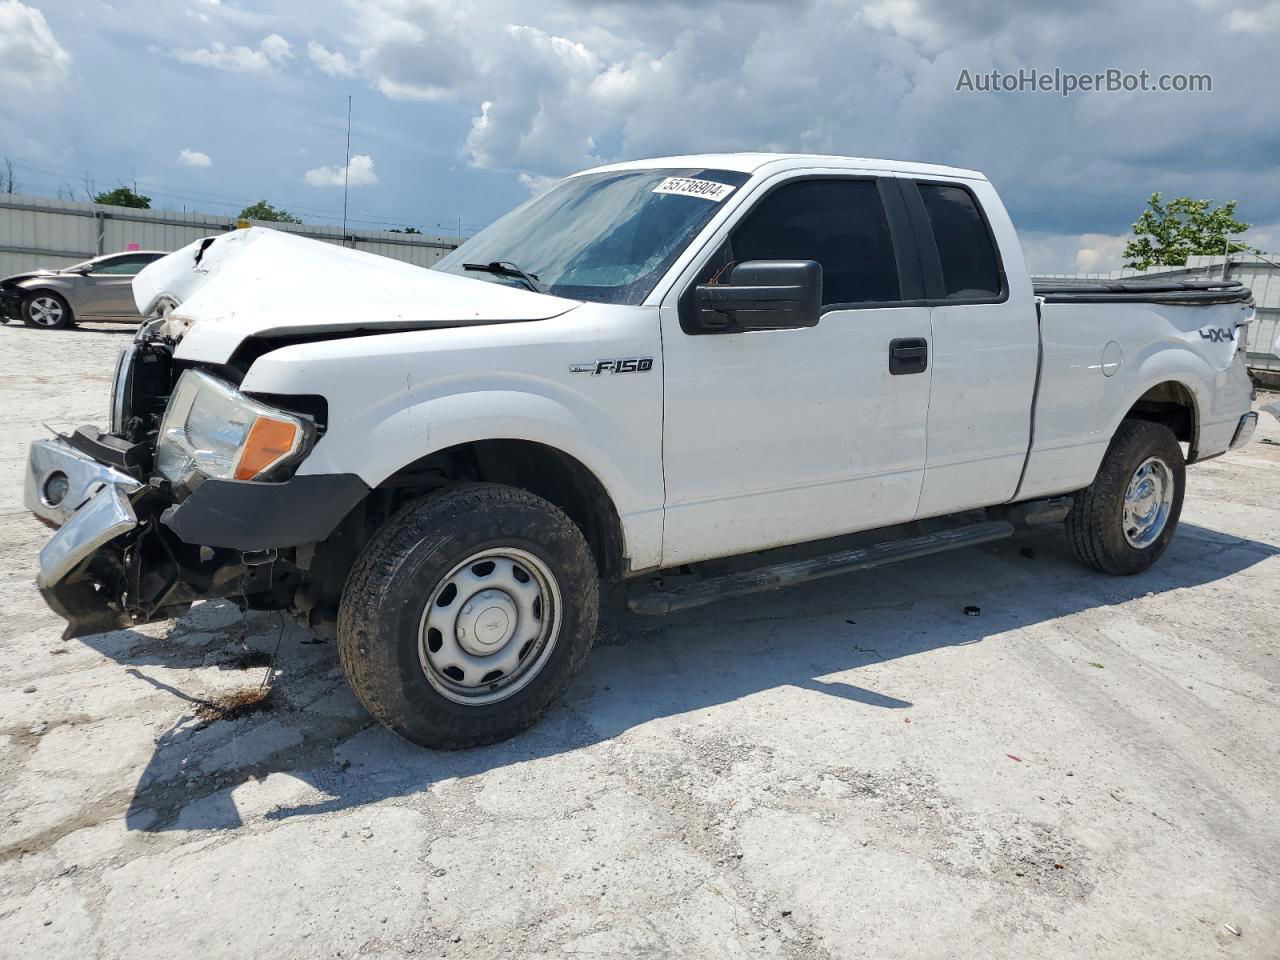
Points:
120	406
140	389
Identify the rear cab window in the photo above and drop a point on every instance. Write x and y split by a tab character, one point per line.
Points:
966	255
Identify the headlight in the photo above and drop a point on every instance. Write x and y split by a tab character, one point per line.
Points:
211	429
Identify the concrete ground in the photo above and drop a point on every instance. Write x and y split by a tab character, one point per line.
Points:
851	768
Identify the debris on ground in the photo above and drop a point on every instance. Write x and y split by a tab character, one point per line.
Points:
234	706
251	660
973	611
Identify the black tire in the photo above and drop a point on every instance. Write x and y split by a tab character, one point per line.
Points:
1096	526
30	311
399	573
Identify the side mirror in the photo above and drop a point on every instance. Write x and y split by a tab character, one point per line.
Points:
762	295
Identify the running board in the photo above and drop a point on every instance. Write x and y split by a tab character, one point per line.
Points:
656	602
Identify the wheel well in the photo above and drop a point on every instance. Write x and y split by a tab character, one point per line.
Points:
1173	405
542	470
26	294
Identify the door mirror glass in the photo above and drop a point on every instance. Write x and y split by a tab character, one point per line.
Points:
762	295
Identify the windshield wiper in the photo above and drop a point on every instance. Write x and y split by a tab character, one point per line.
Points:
505	268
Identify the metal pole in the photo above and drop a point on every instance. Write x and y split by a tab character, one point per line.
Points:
346	173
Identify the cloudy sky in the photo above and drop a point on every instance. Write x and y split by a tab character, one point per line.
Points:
462	108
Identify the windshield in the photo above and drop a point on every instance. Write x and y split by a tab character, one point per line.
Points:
606	237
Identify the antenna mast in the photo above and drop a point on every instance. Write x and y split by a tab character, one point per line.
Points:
346	173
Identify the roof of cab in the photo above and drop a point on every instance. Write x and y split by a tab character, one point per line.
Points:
760	163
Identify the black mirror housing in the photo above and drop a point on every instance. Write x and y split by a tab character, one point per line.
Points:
762	295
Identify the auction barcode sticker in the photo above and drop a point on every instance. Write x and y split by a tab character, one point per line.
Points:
688	187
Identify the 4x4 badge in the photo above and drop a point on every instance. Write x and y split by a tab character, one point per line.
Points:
623	365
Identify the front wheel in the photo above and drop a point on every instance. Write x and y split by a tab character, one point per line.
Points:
47	310
467	615
1123	521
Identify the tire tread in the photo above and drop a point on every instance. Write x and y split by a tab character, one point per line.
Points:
1094	508
373	674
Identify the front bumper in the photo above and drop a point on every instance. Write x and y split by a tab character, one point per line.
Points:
90	504
61	479
11	303
128	552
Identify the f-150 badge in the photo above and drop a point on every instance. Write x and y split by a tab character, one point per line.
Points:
621	365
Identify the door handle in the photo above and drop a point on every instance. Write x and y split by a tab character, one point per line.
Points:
908	355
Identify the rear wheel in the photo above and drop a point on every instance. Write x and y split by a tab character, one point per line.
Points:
1123	521
467	615
47	310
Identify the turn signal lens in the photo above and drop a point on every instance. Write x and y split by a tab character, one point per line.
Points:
269	441
211	429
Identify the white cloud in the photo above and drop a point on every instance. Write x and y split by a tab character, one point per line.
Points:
536	183
330	62
194	158
1264	19
31	59
276	48
905	18
1100	252
273	50
1073	253
359	173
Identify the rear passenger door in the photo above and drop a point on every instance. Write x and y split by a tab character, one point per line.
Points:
985	344
783	436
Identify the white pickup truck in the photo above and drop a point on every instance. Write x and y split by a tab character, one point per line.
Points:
650	367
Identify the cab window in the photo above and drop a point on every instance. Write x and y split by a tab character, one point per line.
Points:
966	253
840	223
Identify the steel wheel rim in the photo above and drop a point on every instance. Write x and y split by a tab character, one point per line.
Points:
497	612
1148	501
45	311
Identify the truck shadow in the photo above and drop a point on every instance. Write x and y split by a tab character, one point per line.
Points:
811	637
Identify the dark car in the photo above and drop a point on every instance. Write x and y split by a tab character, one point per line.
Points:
98	289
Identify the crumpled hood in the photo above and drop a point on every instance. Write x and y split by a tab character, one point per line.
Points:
266	283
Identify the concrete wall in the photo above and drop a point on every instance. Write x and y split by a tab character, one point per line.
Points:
43	232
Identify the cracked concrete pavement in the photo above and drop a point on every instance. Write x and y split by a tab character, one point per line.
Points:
849	768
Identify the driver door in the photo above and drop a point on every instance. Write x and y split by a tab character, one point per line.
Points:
785	436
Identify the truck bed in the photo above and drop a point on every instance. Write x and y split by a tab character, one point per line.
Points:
1141	290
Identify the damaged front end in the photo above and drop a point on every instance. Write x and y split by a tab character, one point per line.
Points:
113	562
191	495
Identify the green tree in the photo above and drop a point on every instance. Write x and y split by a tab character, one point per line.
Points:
1169	233
265	211
123	197
405	230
